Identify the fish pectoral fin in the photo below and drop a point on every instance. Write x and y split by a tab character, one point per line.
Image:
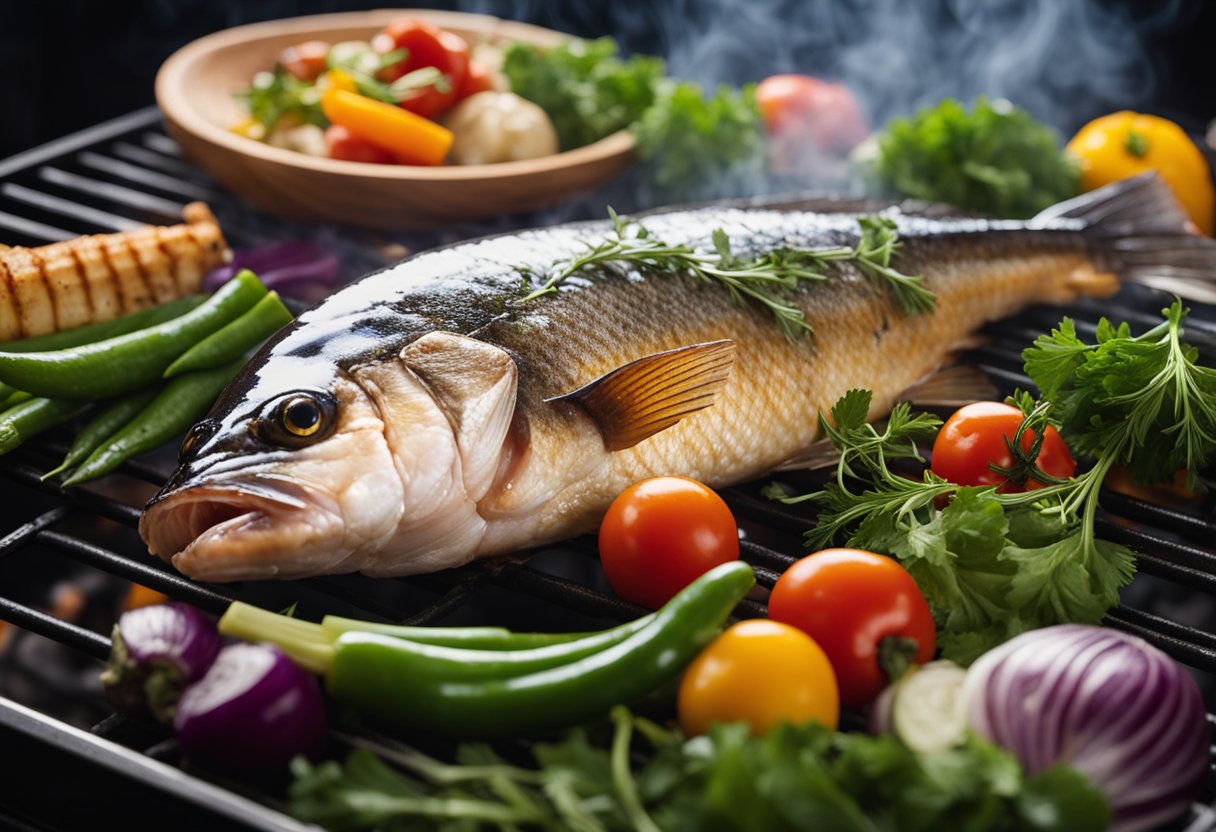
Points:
476	384
814	457
639	399
952	386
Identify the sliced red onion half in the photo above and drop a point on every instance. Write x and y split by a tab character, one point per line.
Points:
296	268
156	652
253	711
1109	704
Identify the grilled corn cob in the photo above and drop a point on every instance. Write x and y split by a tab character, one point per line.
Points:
99	277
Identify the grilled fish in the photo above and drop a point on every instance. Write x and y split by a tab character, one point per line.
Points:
95	278
424	416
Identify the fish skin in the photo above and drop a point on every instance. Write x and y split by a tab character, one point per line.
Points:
552	476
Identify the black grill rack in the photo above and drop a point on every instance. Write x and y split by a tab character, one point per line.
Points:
128	172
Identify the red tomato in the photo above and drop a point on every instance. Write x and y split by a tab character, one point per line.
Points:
661	534
345	145
975	436
798	109
477	80
849	601
425	46
305	61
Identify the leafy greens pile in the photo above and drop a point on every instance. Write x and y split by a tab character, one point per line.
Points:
685	136
726	780
993	565
995	159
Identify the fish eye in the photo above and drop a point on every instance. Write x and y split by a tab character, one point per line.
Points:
194	437
299	418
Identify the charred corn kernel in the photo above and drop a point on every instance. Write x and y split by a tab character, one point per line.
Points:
414	139
1124	144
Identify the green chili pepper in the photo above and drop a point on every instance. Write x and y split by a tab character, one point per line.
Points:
105	424
394	681
181	403
127	362
267	317
472	638
32	417
15	397
142	319
311	645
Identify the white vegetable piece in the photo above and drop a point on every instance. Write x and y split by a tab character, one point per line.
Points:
492	127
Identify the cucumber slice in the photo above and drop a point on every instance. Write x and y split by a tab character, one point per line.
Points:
926	712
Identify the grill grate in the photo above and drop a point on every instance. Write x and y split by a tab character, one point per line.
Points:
127	172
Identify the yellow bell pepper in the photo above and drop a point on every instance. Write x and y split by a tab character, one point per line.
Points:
1124	144
415	140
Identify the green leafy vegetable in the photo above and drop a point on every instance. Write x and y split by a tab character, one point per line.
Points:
726	780
587	91
763	280
996	159
276	95
697	145
992	565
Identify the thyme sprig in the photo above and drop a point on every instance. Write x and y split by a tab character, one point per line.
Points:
765	279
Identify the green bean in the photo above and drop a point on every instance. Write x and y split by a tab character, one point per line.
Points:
128	362
14	398
105	424
179	404
32	417
142	319
266	318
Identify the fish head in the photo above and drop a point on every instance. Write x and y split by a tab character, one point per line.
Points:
383	460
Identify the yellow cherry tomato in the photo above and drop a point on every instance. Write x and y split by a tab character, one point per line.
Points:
760	672
1124	144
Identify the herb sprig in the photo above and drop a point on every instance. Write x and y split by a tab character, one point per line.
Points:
764	279
993	564
725	780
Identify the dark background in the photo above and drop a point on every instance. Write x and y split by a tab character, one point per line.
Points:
67	64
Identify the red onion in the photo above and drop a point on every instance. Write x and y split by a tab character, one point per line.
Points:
1112	706
156	652
291	268
253	711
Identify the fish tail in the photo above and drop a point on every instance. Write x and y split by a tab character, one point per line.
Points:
1136	229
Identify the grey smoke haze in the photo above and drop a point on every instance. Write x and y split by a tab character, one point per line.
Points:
1064	60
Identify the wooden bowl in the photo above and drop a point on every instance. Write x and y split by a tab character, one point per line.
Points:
195	90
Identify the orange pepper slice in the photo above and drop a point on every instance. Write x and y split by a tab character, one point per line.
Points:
413	139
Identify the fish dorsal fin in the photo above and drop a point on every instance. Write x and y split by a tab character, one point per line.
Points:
475	384
637	400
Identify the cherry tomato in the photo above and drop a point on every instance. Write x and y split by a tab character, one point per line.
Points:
478	79
348	147
762	673
849	601
975	436
305	61
661	534
425	46
798	109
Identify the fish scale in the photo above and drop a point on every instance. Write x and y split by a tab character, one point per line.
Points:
459	421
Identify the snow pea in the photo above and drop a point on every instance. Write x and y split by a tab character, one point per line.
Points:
266	318
179	404
125	363
399	682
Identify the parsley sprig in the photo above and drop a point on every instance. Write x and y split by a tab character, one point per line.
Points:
765	279
993	564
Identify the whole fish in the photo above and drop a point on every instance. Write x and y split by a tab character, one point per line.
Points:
427	415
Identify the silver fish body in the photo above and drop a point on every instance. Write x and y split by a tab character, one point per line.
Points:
425	416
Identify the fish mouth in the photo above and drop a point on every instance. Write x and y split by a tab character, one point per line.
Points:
244	531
